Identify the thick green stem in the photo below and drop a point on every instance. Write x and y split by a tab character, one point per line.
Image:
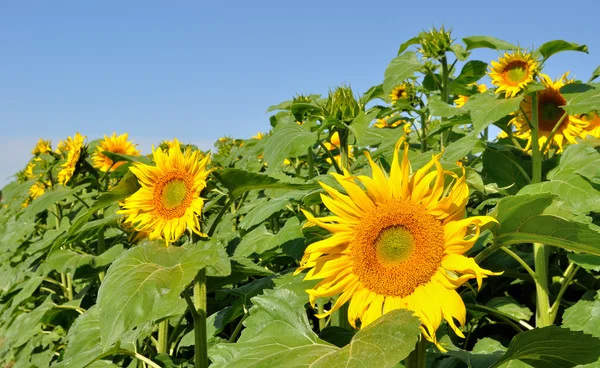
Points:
444	137
540	254
163	333
343	317
200	339
344	148
332	158
418	357
565	282
322	321
67	280
101	249
423	133
311	163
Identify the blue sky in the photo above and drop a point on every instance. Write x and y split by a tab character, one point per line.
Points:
197	70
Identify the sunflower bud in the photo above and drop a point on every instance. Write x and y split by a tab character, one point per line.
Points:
342	105
435	43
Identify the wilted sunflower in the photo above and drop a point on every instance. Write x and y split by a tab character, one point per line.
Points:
41	146
512	72
113	144
549	114
462	100
168	201
396	245
399	92
73	147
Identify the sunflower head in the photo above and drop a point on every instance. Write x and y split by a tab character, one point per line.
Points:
550	113
593	120
259	136
73	147
342	105
404	91
41	146
512	72
114	144
37	190
435	43
396	244
168	202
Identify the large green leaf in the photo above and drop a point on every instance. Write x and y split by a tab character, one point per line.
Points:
552	347
553	47
400	69
359	125
288	140
584	316
587	261
260	240
49	199
475	42
264	210
487	108
278	334
68	261
471	72
530	218
239	181
145	284
595	74
440	108
508	305
459	149
581	98
500	167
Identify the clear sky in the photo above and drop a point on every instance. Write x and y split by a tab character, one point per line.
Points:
198	70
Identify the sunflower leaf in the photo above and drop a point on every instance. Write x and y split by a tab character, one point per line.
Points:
595	74
459	149
532	218
487	108
442	109
475	42
581	98
553	47
400	69
239	181
288	140
471	72
552	347
145	284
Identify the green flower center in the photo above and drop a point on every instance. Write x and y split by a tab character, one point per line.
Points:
516	72
394	245
173	193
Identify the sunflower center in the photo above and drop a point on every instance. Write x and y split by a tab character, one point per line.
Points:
397	247
549	111
516	72
173	194
394	245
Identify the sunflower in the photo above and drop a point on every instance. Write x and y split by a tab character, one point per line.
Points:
41	146
333	144
168	201
383	122
512	72
399	92
549	114
462	100
37	190
73	147
593	120
398	244
113	144
259	136
406	128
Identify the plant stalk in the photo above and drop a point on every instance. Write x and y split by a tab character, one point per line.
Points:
163	333
444	136
417	358
200	339
344	148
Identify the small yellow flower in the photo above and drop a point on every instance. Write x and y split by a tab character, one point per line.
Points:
383	122
461	100
113	144
399	92
42	146
37	190
513	72
258	136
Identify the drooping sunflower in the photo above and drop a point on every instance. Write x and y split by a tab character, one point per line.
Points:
399	92
168	202
41	146
396	245
73	147
512	72
113	144
462	100
549	114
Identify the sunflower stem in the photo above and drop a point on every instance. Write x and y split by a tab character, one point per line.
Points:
201	357
344	148
565	282
311	164
444	136
101	249
417	358
540	254
423	132
163	328
322	321
343	317
552	133
215	223
332	158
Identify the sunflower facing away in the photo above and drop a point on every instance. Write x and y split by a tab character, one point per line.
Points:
37	190
168	201
549	114
398	244
333	144
113	144
73	147
41	146
512	72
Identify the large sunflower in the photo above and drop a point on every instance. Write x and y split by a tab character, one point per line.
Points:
398	244
113	144
512	72
549	114
168	201
73	147
41	146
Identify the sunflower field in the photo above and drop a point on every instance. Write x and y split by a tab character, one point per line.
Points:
447	217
